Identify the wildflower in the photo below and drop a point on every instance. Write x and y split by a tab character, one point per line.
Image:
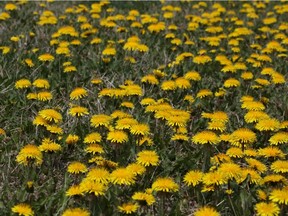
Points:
46	57
165	184
100	175
280	166
51	115
273	178
54	129
29	153
41	83
230	170
242	136
109	51
74	190
92	187
139	129
192	75
247	76
182	83
40	121
168	85
193	177
279	196
180	137
214	178
48	145
253	105
204	93
127	104
71	139
261	195
122	176
206	137
206	210
100	120
92	138
44	96
255	116
10	7
202	59
136	168
69	68
78	93
128	208
271	151
268	124
147	158
94	148
231	83
117	136
29	62
151	79
253	163
147	197
279	138
22	83
217	125
76	168
267	209
78	111
23	209
76	212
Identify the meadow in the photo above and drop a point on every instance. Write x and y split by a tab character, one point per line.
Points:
143	108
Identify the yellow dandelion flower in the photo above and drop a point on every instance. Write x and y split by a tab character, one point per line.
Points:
74	190
10	7
242	136
231	83
180	137
206	137
49	145
147	158
69	68
127	104
253	105
22	83
193	177
29	153
255	116
268	124
44	96
23	209
151	79
279	138
140	129
125	123
41	83
274	178
218	116
168	85
204	93
94	148
122	176
182	83
46	57
71	139
128	208
92	187
76	168
279	196
136	168
76	212
109	51
267	209
230	170
255	164
100	120
117	136
78	93
51	115
147	197
40	121
54	129
247	75
165	184
280	166
100	175
271	151
78	111
261	195
206	210
214	178
254	176
202	59
217	126
92	138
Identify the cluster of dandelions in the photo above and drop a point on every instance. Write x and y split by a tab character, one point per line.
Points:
210	98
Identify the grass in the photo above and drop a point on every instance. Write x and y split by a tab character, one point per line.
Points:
244	36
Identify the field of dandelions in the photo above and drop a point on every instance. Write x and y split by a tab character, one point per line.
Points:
136	108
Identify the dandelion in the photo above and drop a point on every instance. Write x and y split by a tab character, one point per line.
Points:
231	83
267	209
204	93
76	212
147	197
122	176
117	136
48	145
22	83
125	123
94	148
78	93
100	120
268	124
279	138
29	153
76	168
165	184
44	96
242	136
93	137
230	170
206	137
72	139
274	178
78	111
193	177
168	85
214	178
140	129
54	129
100	175
69	69
255	116
206	210
128	208
182	83
41	83
51	115
23	209
253	163
280	166
136	168
271	151
46	57
74	190
92	187
147	158
279	196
